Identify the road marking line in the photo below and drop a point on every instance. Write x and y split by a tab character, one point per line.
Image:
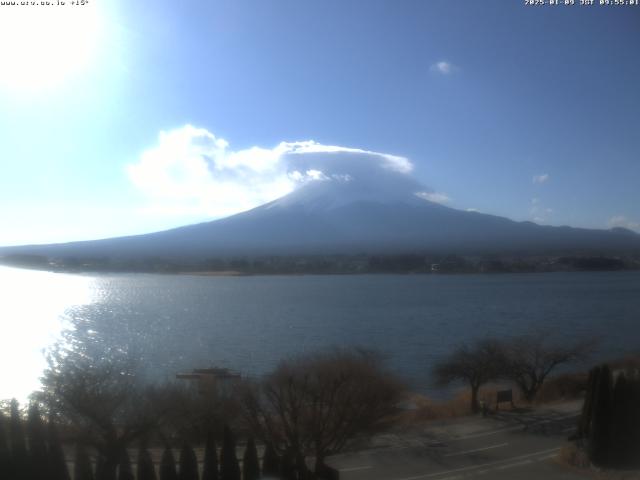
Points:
515	428
511	465
485	434
489	464
353	469
553	455
501	467
556	419
476	450
489	470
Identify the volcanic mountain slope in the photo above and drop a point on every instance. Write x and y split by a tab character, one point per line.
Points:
348	216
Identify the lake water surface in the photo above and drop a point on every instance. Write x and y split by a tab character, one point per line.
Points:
177	322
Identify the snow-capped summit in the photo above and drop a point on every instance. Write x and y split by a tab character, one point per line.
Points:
330	193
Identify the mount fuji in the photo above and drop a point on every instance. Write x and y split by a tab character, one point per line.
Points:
385	213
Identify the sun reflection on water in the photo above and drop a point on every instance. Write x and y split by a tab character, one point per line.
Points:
32	310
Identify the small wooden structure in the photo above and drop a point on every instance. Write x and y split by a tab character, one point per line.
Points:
504	396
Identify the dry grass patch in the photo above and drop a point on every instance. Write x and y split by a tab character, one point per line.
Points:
459	405
428	409
568	386
573	456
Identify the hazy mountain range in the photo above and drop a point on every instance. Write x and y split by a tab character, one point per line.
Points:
346	215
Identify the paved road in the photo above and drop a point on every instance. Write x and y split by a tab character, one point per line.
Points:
504	446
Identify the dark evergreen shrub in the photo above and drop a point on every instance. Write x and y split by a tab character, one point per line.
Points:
82	466
106	467
5	453
600	429
210	469
229	468
188	463
125	471
287	467
168	466
250	465
584	424
145	470
57	463
621	433
101	468
37	439
19	456
270	462
634	420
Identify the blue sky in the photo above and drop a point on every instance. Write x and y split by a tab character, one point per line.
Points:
521	111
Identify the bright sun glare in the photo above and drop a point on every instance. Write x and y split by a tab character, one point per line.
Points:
43	46
31	326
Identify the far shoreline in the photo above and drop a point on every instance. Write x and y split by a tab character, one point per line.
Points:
239	273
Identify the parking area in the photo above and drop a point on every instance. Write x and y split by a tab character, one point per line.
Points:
506	445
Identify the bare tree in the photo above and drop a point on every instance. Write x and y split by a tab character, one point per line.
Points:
192	414
104	402
316	405
475	364
531	358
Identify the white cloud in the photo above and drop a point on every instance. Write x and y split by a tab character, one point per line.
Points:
624	222
542	178
190	171
443	67
538	212
435	197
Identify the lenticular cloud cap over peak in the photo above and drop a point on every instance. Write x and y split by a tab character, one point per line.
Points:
383	160
191	171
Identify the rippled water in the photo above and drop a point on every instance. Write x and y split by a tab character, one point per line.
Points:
176	322
32	313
